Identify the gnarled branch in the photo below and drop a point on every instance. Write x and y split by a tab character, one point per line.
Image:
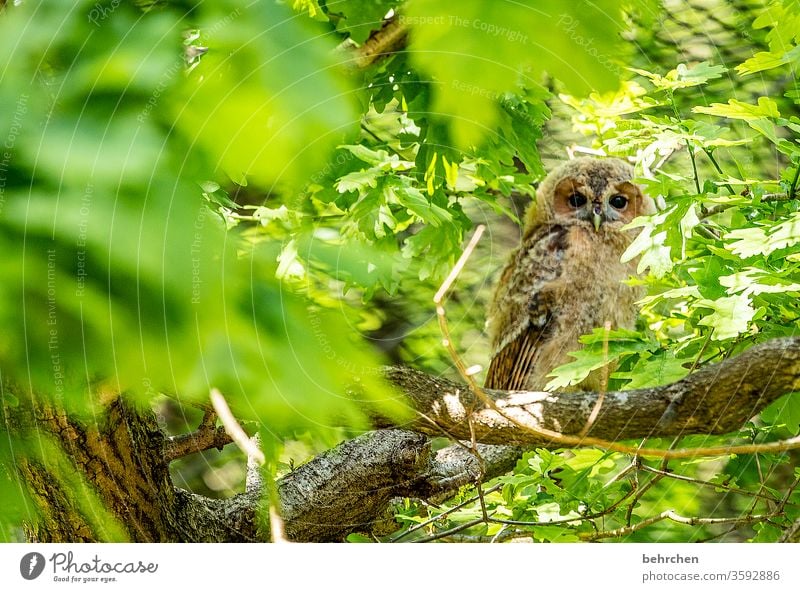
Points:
713	400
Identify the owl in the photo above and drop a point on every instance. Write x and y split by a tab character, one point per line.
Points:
566	277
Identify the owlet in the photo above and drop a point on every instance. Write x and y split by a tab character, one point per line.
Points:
566	277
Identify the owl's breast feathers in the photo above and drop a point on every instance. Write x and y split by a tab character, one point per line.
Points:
563	281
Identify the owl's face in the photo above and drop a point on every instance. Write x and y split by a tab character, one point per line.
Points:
596	192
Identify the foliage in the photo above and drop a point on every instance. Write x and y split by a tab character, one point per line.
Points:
268	219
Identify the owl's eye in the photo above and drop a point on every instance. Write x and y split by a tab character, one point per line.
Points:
577	200
618	201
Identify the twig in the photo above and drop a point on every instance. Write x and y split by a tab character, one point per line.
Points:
603	383
382	141
766	198
678	477
793	186
714	162
674	517
791	534
501	536
442	515
788	494
206	436
671	412
438	298
694	167
233	428
454	530
198	441
391	37
653	480
689	147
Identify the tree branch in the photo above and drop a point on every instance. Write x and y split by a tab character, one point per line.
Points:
390	38
347	488
713	400
203	439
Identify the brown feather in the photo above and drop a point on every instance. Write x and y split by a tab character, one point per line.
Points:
511	366
523	297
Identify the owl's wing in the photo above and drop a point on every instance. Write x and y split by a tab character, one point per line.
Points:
523	307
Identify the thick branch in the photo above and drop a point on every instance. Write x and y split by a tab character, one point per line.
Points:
713	400
348	488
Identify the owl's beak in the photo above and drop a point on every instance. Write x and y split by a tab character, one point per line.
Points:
597	218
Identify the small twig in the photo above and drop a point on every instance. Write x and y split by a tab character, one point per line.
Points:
791	533
687	142
714	162
640	465
481	469
706	232
452	531
766	198
671	412
674	517
206	436
694	167
718	535
640	491
382	141
501	536
793	186
233	428
198	441
678	477
442	515
603	383
441	314
702	351
787	495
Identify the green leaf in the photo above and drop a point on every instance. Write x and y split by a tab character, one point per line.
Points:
620	342
269	100
658	369
683	76
747	242
477	51
359	18
734	109
767	60
417	203
358	181
753	281
379	159
650	248
731	316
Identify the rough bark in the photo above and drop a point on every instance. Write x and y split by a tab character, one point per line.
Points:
124	457
716	399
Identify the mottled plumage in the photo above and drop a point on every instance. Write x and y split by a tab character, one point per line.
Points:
566	277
